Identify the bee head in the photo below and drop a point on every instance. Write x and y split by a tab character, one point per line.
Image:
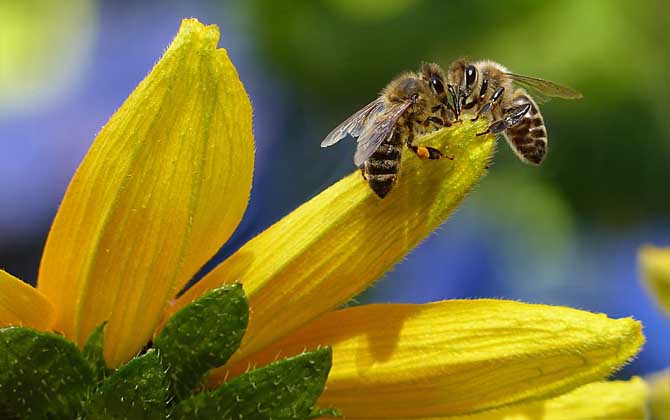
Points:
433	75
409	87
406	88
462	79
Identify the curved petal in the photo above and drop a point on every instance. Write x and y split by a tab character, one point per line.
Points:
457	357
21	304
616	400
163	186
306	264
655	269
659	394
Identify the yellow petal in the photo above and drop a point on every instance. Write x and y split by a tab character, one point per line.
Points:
21	304
616	400
163	186
335	245
655	266
457	357
659	395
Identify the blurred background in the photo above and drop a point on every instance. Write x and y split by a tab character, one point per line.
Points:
565	234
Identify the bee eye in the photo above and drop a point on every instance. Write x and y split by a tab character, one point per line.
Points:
437	85
470	75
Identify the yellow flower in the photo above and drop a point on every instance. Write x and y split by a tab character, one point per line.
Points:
659	395
167	181
655	272
655	269
620	400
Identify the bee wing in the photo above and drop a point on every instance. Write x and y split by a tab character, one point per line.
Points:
355	124
378	131
545	87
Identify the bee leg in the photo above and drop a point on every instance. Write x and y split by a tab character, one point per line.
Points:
365	177
511	118
438	121
426	152
495	98
449	116
423	152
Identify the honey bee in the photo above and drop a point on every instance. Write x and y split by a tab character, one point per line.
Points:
488	88
412	104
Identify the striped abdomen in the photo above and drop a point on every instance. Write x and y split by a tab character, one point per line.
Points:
528	138
382	168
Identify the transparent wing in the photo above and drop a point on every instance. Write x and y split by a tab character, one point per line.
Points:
378	131
545	87
355	124
538	96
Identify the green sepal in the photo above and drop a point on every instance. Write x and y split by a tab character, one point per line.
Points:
202	336
325	412
287	389
93	353
42	375
137	390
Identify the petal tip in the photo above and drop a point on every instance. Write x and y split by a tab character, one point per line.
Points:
192	29
630	342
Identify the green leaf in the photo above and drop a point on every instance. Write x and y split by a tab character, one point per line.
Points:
286	389
203	335
136	390
93	353
41	374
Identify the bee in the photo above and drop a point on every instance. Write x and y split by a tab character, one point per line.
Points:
412	104
488	88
